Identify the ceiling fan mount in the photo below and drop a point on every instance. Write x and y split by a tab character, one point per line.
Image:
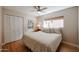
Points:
40	8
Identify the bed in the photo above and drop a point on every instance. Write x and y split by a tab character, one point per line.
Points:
41	41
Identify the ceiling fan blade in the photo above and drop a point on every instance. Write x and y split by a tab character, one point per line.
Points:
43	8
36	7
39	8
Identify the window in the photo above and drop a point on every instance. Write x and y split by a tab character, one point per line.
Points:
46	24
58	23
55	23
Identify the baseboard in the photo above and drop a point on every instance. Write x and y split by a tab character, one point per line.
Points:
71	44
6	43
3	44
9	42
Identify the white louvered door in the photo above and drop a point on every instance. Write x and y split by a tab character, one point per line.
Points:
13	28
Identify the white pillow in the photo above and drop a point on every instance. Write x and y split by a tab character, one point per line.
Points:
57	30
31	30
46	30
52	30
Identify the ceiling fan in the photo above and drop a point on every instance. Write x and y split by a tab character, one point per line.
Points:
40	8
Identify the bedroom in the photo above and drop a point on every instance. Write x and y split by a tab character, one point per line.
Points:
39	28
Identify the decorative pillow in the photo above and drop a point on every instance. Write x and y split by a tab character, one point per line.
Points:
45	30
30	30
52	30
57	30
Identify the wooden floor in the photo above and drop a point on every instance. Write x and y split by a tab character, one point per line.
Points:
67	48
18	46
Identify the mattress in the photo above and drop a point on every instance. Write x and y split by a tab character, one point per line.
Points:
41	41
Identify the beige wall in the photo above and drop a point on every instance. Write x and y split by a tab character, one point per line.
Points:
0	26
29	17
78	25
12	12
70	30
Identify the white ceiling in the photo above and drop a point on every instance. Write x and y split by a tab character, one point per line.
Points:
31	11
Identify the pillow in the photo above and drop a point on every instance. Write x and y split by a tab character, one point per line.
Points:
45	30
48	30
30	30
57	30
52	30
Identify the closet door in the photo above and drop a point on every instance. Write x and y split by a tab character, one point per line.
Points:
18	27
13	28
7	35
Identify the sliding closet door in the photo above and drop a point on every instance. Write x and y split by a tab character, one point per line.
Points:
6	28
13	28
19	27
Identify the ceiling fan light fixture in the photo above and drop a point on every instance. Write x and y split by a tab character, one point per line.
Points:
39	12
